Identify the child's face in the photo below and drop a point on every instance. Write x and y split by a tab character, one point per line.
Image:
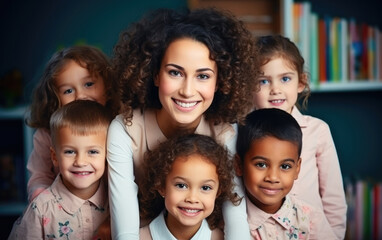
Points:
190	192
81	160
186	82
75	83
269	170
279	86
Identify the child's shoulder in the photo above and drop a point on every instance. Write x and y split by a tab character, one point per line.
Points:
303	208
305	120
217	234
144	233
43	202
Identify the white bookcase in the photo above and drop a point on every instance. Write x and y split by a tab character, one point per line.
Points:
23	143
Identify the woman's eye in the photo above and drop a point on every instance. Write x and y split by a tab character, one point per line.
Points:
175	73
285	79
203	76
89	84
68	91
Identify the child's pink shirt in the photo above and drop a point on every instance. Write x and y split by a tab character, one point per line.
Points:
40	166
294	220
58	214
320	181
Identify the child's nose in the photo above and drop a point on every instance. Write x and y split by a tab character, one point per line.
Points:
275	88
81	95
80	161
192	196
272	175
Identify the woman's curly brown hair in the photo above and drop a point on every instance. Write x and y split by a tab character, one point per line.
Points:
140	49
45	99
158	164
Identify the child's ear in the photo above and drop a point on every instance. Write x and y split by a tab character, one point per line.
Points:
53	156
238	165
298	167
162	192
301	82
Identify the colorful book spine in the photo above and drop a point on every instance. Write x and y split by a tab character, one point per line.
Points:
328	46
322	50
344	50
314	55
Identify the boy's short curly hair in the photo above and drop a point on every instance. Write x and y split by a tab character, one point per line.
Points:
158	164
268	122
140	49
45	99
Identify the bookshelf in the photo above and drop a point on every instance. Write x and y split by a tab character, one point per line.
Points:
16	145
297	21
350	102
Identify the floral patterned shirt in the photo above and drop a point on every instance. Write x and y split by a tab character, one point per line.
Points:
58	214
294	220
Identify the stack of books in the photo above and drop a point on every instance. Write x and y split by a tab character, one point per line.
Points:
337	49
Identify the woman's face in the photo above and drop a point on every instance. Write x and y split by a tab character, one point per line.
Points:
187	83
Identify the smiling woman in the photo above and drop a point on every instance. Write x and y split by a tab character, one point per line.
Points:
186	89
178	74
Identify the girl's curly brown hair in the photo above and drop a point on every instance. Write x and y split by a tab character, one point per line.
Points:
140	49
158	164
274	46
45	99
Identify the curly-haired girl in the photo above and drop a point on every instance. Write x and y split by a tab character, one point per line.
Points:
78	72
186	180
178	73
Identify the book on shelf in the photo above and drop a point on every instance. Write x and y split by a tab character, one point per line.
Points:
364	217
336	49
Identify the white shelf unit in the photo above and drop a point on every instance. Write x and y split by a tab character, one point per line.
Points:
358	85
18	114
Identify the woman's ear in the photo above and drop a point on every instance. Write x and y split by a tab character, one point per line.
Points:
53	156
238	165
156	81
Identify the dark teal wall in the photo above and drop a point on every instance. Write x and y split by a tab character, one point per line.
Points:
355	120
33	30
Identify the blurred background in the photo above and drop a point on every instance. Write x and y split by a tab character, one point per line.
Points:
33	30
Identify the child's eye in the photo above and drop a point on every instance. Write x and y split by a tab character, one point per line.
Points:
68	91
68	152
203	76
93	152
285	166
263	81
285	79
206	188
181	185
175	73
89	84
261	165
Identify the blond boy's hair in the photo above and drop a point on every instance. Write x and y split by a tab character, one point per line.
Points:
83	117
